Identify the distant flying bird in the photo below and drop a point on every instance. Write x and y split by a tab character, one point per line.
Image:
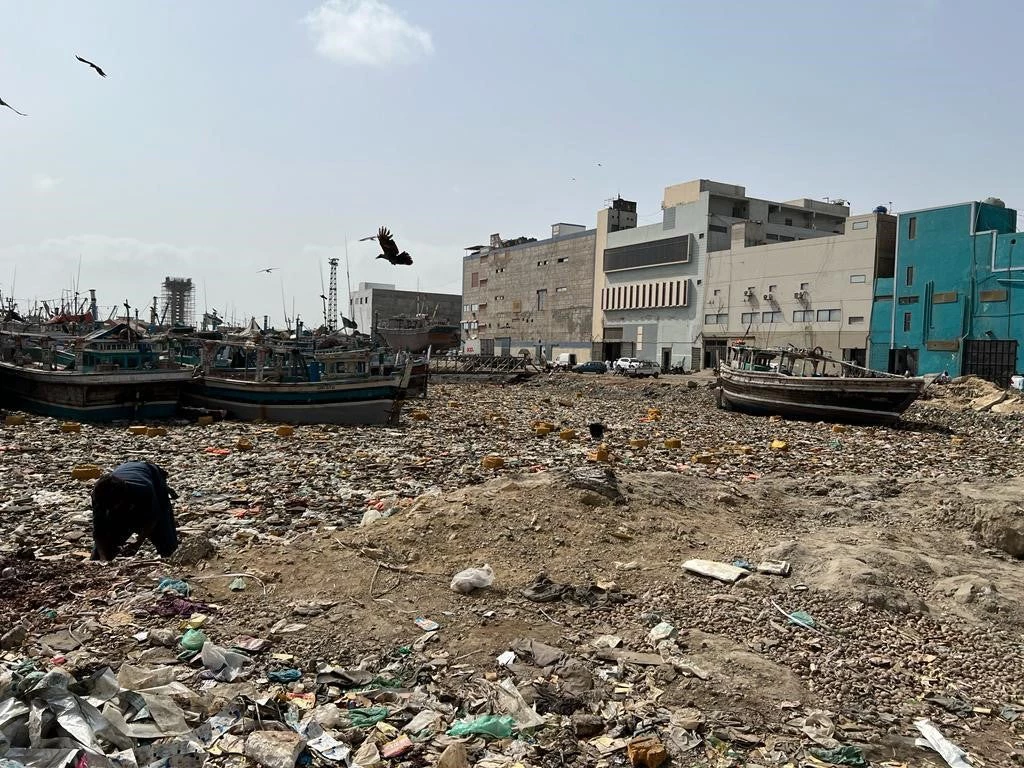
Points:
387	244
5	104
99	71
268	270
600	166
596	430
572	179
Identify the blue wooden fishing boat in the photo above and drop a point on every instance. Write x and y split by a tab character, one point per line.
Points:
282	384
112	374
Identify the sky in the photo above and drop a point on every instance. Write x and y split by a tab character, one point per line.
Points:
239	135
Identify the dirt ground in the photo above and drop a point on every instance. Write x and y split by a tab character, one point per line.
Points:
898	539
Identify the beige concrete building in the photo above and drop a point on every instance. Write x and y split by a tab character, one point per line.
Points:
649	281
529	295
814	292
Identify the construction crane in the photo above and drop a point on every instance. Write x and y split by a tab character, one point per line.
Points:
332	297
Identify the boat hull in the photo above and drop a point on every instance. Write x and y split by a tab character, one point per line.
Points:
349	403
416	340
854	400
93	397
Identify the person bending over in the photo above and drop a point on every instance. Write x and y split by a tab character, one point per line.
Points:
134	498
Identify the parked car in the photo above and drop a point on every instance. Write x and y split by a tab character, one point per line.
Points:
594	366
564	361
643	368
623	364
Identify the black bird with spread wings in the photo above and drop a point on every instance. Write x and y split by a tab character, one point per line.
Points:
5	104
268	270
99	71
387	244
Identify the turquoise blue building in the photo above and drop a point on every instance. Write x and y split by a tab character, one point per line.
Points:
956	300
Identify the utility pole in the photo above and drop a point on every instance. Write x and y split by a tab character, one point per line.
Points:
332	300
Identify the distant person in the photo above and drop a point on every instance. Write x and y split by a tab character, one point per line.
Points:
133	499
608	366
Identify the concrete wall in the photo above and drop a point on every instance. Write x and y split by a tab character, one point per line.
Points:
961	286
835	273
388	302
506	295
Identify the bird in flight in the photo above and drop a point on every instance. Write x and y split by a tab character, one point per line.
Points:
268	270
5	104
387	244
99	71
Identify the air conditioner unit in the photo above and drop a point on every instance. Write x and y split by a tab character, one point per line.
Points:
768	297
748	293
798	295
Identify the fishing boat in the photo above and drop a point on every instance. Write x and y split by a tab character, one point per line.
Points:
809	384
418	333
283	383
111	374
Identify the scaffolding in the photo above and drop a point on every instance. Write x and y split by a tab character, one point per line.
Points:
179	302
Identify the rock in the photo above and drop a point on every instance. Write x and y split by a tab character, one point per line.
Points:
14	638
585	726
1002	527
163	637
274	749
193	550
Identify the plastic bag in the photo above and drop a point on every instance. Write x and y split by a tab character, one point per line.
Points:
472	578
193	640
495	726
225	665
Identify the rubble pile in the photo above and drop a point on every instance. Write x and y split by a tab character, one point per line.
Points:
379	597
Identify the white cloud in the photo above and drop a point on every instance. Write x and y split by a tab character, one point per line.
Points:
43	183
365	32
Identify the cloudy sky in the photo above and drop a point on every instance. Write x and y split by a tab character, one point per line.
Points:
241	134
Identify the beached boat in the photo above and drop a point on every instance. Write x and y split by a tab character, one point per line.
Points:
109	375
418	333
282	384
808	384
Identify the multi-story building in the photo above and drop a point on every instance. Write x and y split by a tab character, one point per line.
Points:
530	295
814	292
382	301
954	303
648	281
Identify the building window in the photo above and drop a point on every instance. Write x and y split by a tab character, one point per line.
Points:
715	292
859	225
771	236
719	319
542	298
717	228
474	307
561	289
910	273
748	317
805	286
912	228
563	259
909	299
855	319
771	317
789	222
829	315
786	239
465	308
803	316
858	278
773	289
475	279
483	282
680	293
906	322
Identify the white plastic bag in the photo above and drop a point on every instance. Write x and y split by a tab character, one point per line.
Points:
472	578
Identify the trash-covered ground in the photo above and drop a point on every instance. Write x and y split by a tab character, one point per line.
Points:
311	612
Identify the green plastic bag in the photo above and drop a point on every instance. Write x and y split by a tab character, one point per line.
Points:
193	640
367	717
850	756
495	726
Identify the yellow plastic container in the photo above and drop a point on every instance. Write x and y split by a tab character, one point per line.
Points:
567	434
86	472
156	431
243	444
673	443
14	420
419	415
284	431
204	421
138	430
839	429
492	462
780	445
70	426
637	442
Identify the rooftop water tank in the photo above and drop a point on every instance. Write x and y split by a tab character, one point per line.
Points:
881	209
995	201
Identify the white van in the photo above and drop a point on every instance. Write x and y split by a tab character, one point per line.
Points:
564	360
